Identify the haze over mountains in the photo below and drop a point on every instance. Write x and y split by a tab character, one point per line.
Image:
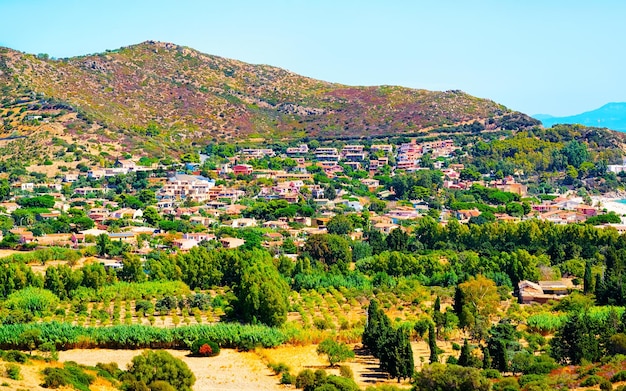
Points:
611	115
202	97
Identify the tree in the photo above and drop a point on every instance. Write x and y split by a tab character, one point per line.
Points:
576	153
502	342
360	250
103	242
336	352
587	279
392	347
376	241
329	250
147	197
94	276
31	338
466	358
397	354
475	301
151	216
432	344
340	225
132	269
377	328
5	190
577	340
262	293
438	317
158	365
397	240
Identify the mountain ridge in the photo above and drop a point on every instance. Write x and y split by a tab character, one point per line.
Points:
187	96
611	115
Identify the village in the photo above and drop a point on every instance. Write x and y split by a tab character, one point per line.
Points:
316	178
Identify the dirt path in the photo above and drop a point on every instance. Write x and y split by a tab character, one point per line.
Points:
231	370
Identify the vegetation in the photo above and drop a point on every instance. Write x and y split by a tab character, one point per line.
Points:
165	276
154	366
336	352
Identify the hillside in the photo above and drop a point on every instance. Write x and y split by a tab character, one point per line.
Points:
155	94
611	115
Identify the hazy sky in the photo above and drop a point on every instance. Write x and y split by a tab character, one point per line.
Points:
538	56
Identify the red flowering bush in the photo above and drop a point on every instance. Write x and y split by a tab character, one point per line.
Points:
205	348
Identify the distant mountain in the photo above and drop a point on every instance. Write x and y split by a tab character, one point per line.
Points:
611	115
157	94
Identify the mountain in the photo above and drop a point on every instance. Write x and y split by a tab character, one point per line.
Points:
154	95
611	115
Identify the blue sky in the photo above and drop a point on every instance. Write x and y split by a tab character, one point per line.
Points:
558	57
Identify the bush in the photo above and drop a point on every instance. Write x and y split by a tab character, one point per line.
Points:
507	384
161	385
346	371
205	348
54	378
152	366
525	379
278	368
492	374
339	383
305	379
110	370
591	381
450	377
12	371
70	375
606	385
144	306
287	378
619	376
15	356
322	324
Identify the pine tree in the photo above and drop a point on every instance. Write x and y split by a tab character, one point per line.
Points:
432	344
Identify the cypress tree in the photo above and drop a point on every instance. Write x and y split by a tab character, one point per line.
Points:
406	353
371	327
397	355
487	361
376	330
458	307
432	344
465	358
587	279
438	317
